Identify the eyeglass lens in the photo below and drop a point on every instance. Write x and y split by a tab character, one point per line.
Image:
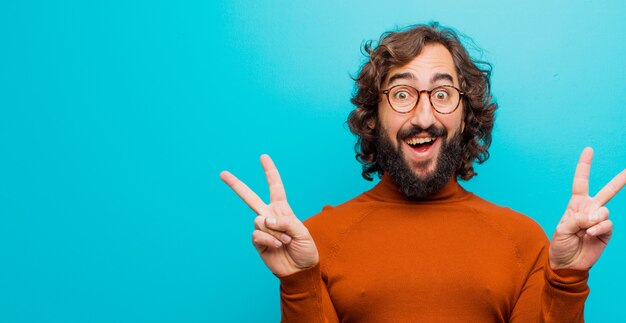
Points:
443	98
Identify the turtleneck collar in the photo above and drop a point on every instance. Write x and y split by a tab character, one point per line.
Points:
387	190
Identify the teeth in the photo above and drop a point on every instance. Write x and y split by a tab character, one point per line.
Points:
419	141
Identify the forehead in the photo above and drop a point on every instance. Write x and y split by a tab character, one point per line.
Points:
432	64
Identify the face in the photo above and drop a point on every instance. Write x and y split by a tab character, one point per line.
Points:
423	143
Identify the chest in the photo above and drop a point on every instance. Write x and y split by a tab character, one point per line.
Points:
424	265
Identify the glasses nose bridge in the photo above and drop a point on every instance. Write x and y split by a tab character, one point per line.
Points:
423	112
419	95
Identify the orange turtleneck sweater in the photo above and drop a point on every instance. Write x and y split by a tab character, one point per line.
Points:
451	258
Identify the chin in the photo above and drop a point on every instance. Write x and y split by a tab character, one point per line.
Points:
424	169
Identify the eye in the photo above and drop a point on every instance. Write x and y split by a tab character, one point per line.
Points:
402	95
441	95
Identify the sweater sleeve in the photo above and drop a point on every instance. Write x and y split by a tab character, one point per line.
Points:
304	298
564	294
552	296
546	295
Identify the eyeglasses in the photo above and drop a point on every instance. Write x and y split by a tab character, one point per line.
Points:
444	99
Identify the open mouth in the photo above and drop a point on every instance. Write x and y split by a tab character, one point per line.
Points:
420	144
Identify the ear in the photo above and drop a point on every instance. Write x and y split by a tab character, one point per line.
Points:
371	123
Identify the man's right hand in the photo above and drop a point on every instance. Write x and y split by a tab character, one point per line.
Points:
283	242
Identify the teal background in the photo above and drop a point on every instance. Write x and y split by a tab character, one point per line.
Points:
116	118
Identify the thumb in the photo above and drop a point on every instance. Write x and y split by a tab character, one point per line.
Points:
574	223
289	225
569	225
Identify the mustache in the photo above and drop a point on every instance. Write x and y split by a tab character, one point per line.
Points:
433	131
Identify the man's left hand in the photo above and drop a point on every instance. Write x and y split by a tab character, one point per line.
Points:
585	228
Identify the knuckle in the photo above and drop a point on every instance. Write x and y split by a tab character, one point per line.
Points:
286	222
259	222
302	229
270	232
611	188
276	235
266	209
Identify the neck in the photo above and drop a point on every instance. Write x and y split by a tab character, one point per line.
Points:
388	190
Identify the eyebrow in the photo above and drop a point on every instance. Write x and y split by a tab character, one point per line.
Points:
400	76
409	76
441	76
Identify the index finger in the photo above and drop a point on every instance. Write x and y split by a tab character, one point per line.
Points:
610	190
277	190
244	192
581	176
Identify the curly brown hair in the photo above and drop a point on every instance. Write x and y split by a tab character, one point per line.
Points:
398	48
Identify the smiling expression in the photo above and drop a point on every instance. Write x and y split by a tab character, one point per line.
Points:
418	134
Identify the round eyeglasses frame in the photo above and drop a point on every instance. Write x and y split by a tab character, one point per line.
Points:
419	94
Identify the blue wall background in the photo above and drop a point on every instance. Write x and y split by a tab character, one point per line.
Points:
117	116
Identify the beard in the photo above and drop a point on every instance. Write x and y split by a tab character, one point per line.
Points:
392	161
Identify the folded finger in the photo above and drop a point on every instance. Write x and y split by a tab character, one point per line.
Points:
597	216
262	240
289	225
602	229
260	223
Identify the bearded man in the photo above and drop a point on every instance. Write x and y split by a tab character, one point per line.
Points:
418	247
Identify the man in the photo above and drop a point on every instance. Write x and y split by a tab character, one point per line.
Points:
418	247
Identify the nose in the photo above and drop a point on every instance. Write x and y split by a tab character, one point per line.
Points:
423	115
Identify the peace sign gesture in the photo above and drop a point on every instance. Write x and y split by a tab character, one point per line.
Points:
585	228
283	242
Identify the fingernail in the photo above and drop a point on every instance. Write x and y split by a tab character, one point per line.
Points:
285	238
277	243
271	220
593	217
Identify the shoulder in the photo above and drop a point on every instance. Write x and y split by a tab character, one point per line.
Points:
521	229
504	215
333	222
333	218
